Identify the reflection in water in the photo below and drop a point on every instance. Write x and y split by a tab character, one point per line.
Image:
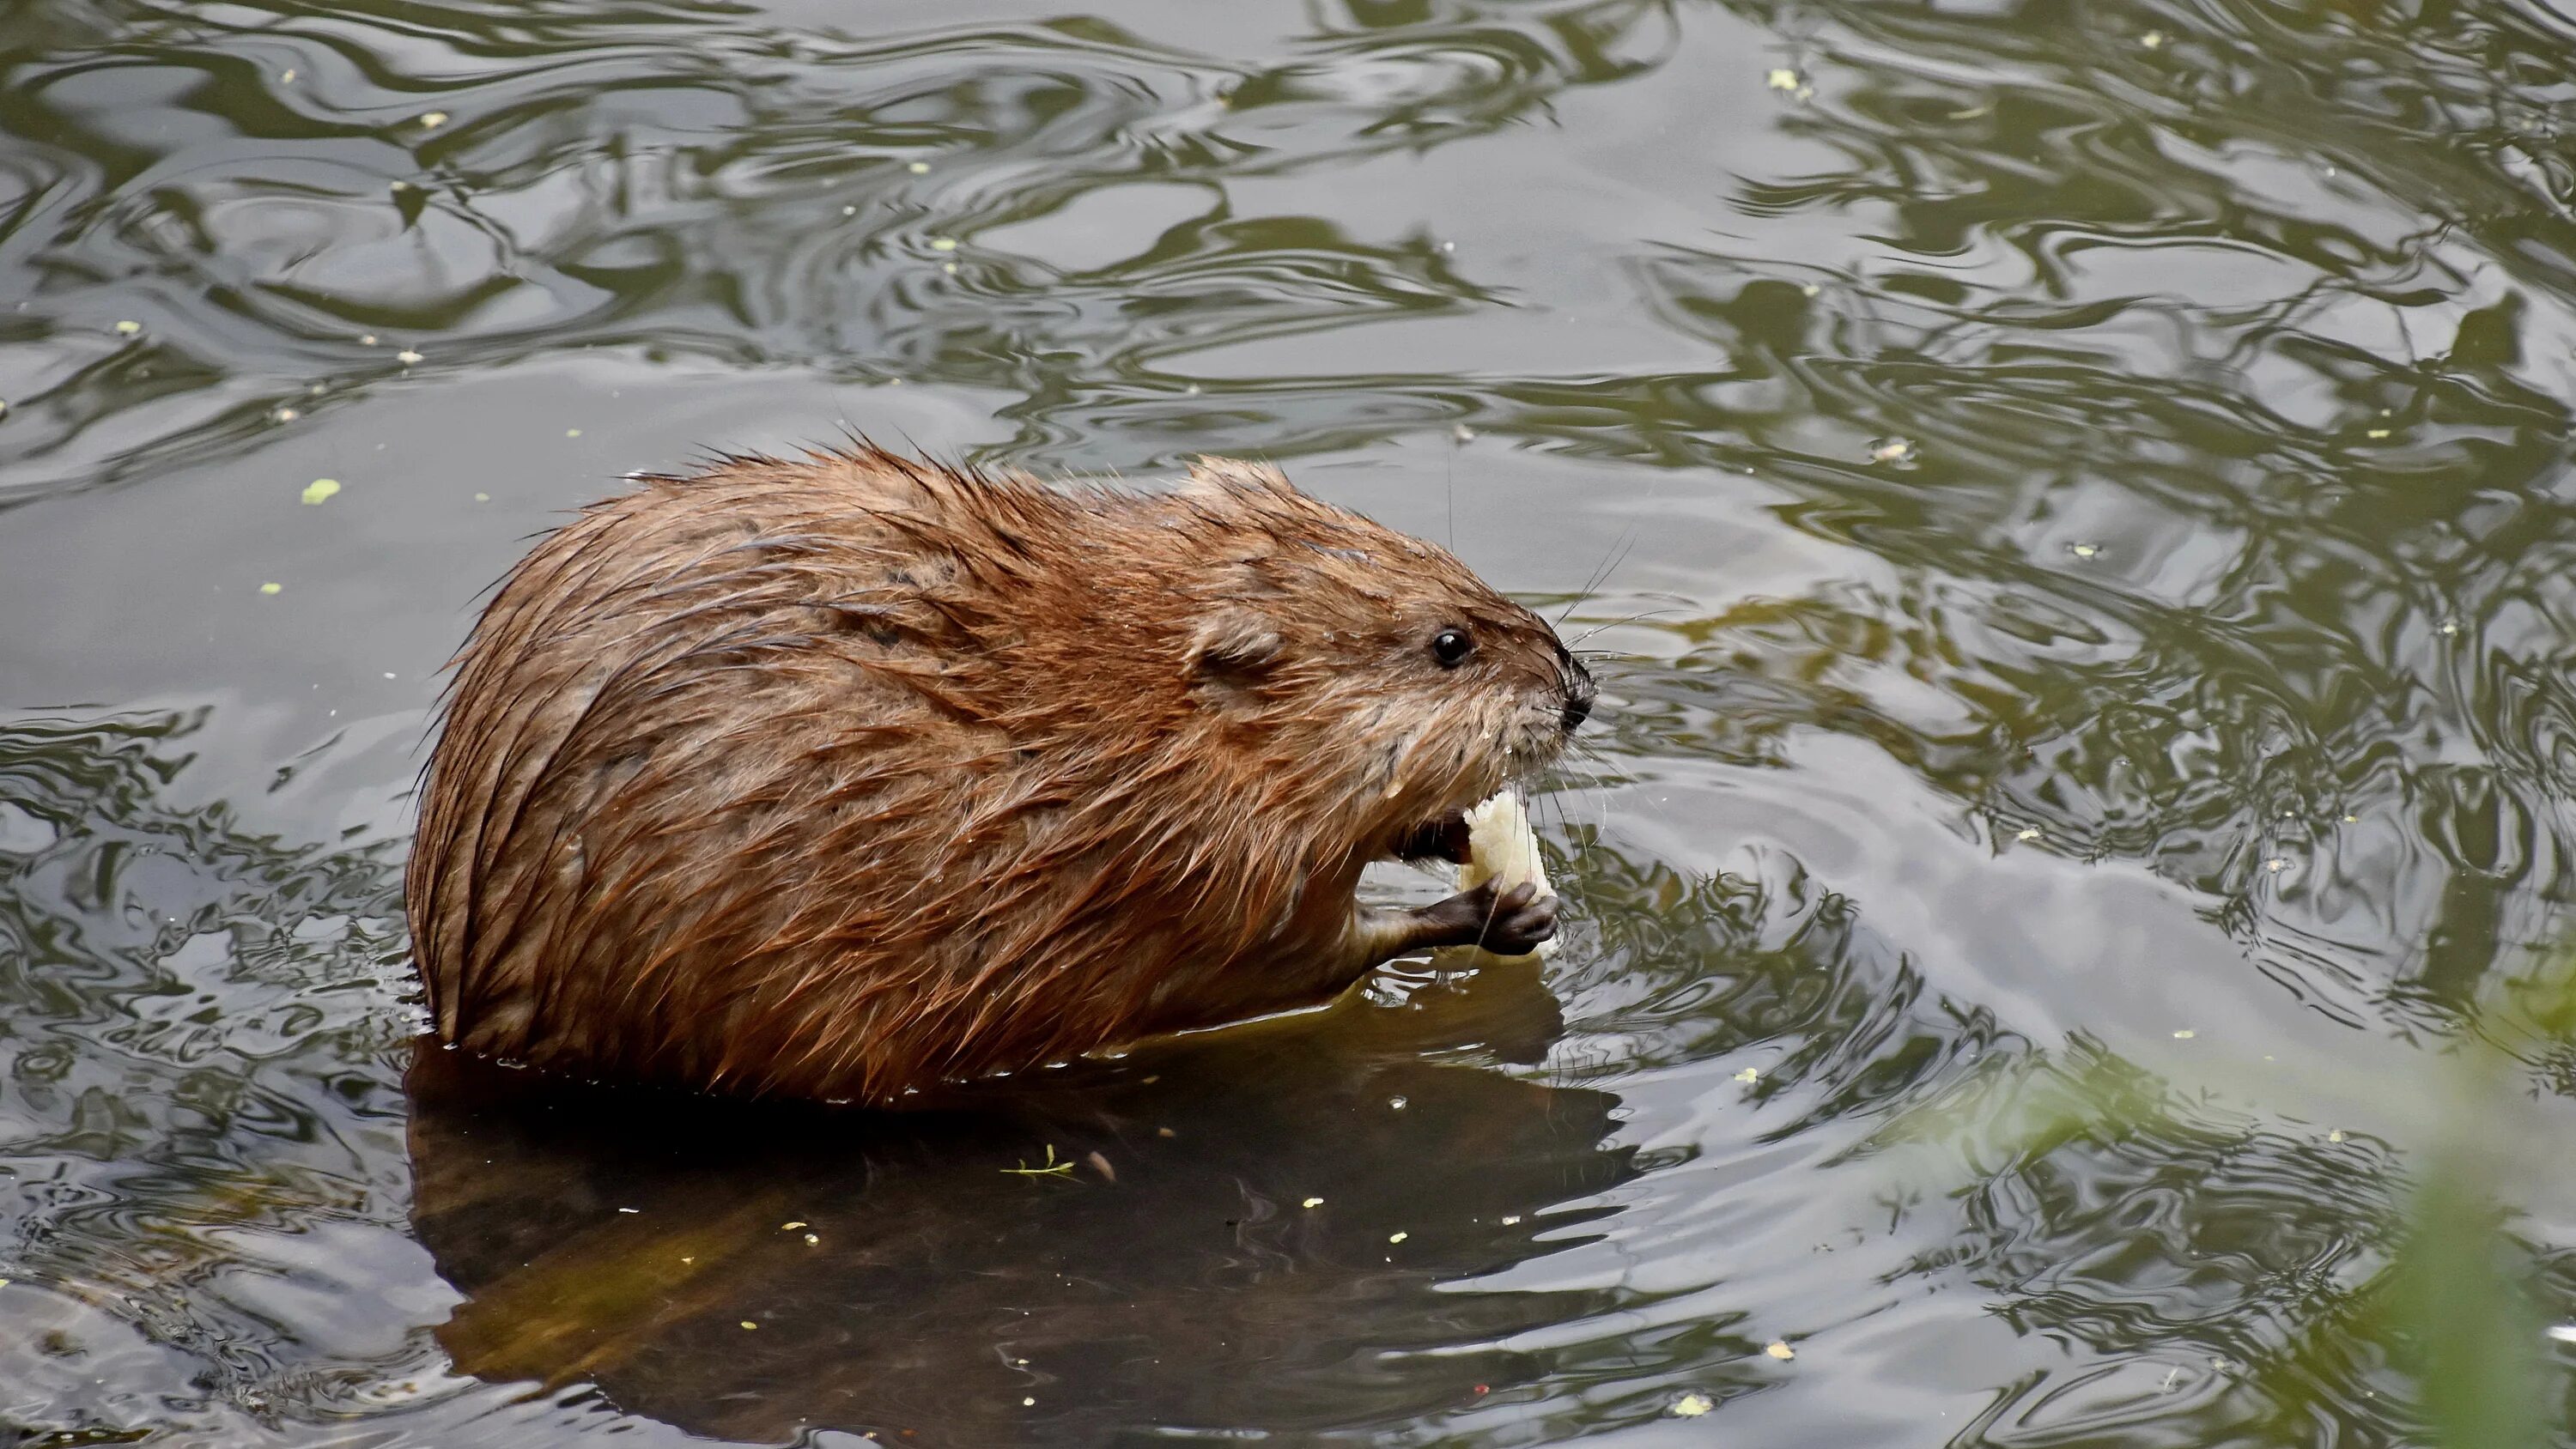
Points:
1269	1229
2084	491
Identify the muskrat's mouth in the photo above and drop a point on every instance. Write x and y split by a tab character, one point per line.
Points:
1442	839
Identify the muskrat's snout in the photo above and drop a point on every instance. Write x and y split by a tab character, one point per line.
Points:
1575	683
1579	693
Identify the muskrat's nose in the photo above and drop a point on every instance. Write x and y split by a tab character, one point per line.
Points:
1578	697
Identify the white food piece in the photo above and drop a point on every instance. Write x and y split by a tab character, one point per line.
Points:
1503	849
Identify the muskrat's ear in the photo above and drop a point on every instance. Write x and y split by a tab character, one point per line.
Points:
1234	645
1219	476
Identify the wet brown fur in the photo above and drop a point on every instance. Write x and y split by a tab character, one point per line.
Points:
842	776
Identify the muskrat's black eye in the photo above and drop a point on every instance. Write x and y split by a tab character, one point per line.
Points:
1451	647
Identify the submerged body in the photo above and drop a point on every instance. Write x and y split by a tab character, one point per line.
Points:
842	777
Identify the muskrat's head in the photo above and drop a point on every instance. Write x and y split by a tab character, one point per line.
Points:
1394	683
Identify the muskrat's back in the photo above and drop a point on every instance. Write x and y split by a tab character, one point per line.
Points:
844	776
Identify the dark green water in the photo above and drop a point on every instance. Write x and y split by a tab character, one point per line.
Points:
2083	502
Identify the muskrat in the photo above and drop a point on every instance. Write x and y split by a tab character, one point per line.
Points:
848	776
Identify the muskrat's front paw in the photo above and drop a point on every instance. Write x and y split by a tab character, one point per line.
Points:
1511	923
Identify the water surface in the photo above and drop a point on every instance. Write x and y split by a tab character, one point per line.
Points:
2075	497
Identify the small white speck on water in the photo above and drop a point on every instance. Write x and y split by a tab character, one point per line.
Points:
1807	289
949	267
2185	1034
1691	1406
128	329
849	211
1312	1202
1462	434
1397	1237
572	432
919	168
2276	865
407	357
286	76
366	339
623	1210
2152	39
1398	1103
432	120
389	674
2084	550
2030	834
1749	1074
1028	1403
1511	1220
482	497
1782	78
943	244
2335	1136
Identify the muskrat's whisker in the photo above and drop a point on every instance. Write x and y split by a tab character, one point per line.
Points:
1618	623
1601	575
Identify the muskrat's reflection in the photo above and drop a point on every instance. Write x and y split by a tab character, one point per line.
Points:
751	1272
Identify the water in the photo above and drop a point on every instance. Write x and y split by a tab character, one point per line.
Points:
2082	505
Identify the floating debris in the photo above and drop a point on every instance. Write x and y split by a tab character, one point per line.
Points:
572	432
431	121
128	329
1511	1219
1398	1103
918	168
321	490
2185	1034
407	357
2152	39
283	415
747	1323
366	339
482	497
943	244
1780	1350
1892	450
1312	1202
791	1225
1691	1406
1749	1074
272	588
1052	1168
1809	289
1397	1237
2335	1136
2084	550
2031	833
2376	433
1783	79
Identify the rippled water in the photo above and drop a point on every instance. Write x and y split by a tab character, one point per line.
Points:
2077	498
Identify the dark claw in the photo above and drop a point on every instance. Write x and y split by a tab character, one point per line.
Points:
1512	924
